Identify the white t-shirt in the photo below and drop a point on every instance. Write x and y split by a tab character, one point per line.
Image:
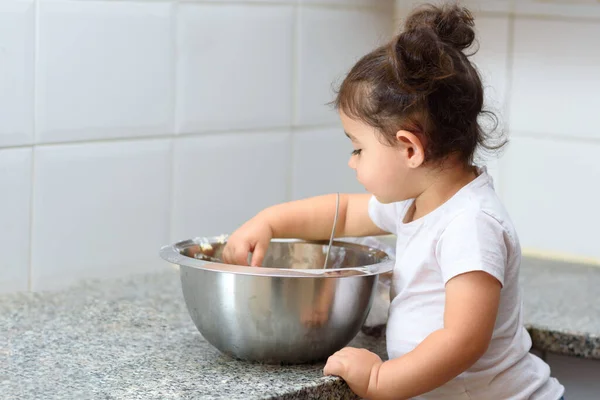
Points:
470	232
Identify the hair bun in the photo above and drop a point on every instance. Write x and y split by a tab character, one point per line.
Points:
451	23
430	48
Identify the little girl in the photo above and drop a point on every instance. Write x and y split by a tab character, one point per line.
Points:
455	326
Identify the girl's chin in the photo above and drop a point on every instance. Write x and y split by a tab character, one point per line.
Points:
384	200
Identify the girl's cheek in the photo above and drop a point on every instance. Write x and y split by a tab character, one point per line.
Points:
359	174
363	175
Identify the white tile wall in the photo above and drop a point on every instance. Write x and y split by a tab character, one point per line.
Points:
234	78
105	70
556	78
15	201
580	9
16	72
119	78
551	190
99	210
492	163
255	2
387	5
320	163
490	6
235	67
222	180
403	7
559	8
491	58
322	63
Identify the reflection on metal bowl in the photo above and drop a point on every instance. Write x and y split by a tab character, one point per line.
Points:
287	311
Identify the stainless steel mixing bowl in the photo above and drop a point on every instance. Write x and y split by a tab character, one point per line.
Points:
288	311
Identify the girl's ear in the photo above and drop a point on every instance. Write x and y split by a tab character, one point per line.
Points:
411	148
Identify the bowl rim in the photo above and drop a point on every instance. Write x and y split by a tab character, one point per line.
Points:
172	254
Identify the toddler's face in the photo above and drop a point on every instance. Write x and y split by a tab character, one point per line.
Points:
385	171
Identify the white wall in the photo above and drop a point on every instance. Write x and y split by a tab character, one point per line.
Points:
129	125
541	62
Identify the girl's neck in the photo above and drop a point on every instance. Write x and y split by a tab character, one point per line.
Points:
443	184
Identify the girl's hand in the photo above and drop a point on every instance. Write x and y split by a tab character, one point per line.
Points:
358	367
254	236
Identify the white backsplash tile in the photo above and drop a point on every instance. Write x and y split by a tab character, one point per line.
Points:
320	163
16	72
222	180
330	41
489	6
491	160
477	7
536	8
555	78
15	203
559	8
115	69
387	5
258	3
105	70
550	189
99	210
235	67
492	34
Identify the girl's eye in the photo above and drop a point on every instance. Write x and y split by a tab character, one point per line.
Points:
356	152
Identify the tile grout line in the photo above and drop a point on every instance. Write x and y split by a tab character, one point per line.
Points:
509	64
536	17
274	129
36	41
295	58
330	6
283	128
171	203
289	189
556	137
556	18
333	6
174	116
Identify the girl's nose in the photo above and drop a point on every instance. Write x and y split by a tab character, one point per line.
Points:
352	163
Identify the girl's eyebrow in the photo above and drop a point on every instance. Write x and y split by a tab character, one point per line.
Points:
350	136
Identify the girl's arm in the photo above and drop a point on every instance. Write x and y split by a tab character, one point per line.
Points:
309	219
312	218
472	301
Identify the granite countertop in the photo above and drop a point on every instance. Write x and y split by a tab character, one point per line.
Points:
562	307
133	339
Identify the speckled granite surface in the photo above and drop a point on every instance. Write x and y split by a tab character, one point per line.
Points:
562	307
133	339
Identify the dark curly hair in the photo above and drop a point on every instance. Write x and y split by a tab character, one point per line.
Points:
423	82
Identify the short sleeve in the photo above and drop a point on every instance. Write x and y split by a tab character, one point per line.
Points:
473	241
383	215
